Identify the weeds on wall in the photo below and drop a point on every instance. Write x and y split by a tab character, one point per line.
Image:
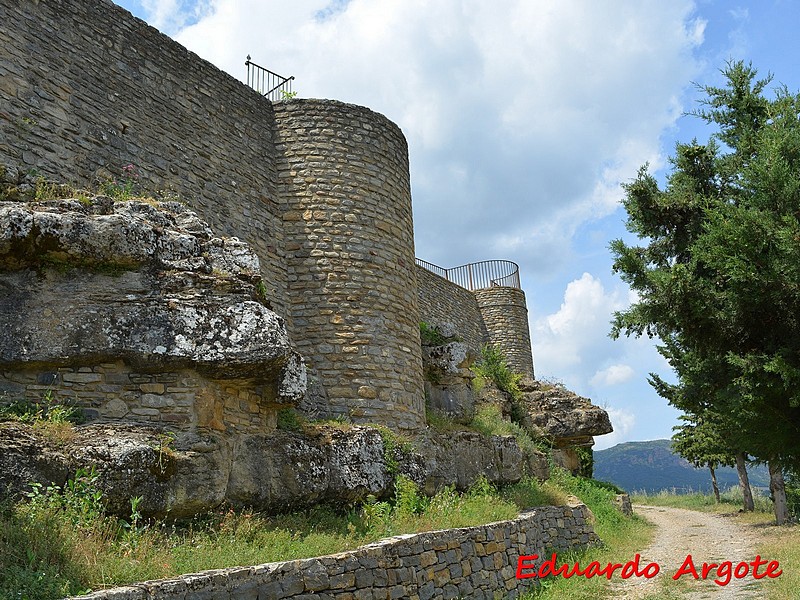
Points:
53	419
493	367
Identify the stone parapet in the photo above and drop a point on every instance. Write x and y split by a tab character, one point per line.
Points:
442	301
472	562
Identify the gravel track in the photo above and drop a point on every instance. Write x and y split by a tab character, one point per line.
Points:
708	538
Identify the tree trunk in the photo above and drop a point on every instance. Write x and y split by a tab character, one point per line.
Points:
778	489
714	482
744	482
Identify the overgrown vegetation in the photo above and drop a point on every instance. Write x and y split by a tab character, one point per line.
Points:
53	419
58	541
493	367
489	421
430	335
622	537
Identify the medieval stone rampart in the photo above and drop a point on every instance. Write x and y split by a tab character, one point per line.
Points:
321	192
494	315
344	186
442	301
505	315
86	89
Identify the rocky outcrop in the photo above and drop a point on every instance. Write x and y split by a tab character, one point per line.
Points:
460	457
567	420
448	378
562	415
179	476
94	281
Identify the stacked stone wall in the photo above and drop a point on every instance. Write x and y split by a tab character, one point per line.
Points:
344	185
179	401
86	89
473	562
442	301
505	315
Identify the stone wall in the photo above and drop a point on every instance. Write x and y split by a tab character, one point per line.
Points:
474	562
86	89
344	183
505	315
443	301
181	400
496	315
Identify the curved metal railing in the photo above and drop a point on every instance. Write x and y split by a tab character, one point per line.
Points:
478	275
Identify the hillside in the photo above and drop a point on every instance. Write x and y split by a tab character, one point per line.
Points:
652	466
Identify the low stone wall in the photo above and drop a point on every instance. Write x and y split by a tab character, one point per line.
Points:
473	562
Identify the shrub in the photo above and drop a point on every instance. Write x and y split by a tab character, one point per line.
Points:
493	367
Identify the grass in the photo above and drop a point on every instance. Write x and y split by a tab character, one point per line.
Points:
489	420
730	501
50	418
622	538
777	543
57	542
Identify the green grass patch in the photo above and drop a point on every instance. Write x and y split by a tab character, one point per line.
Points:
622	538
58	542
730	501
489	420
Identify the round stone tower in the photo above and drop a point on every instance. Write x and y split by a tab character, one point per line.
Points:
343	181
505	315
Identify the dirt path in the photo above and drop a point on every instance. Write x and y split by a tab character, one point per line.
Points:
708	538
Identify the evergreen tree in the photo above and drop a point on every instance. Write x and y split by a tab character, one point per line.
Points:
719	278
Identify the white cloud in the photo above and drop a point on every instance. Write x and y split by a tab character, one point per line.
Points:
578	330
172	15
522	115
613	375
623	423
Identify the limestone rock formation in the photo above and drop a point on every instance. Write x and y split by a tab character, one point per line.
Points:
460	457
95	281
446	361
569	419
278	471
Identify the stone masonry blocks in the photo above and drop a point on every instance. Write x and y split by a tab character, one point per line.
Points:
506	317
473	562
346	201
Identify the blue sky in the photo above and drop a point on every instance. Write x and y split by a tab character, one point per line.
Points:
523	118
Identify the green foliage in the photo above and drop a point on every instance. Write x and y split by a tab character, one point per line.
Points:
407	499
261	292
394	445
719	277
493	367
59	543
430	336
489	420
286	95
586	461
123	188
289	420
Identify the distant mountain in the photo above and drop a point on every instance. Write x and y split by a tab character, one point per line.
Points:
653	466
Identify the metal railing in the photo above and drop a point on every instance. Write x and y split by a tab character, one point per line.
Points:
269	84
478	275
